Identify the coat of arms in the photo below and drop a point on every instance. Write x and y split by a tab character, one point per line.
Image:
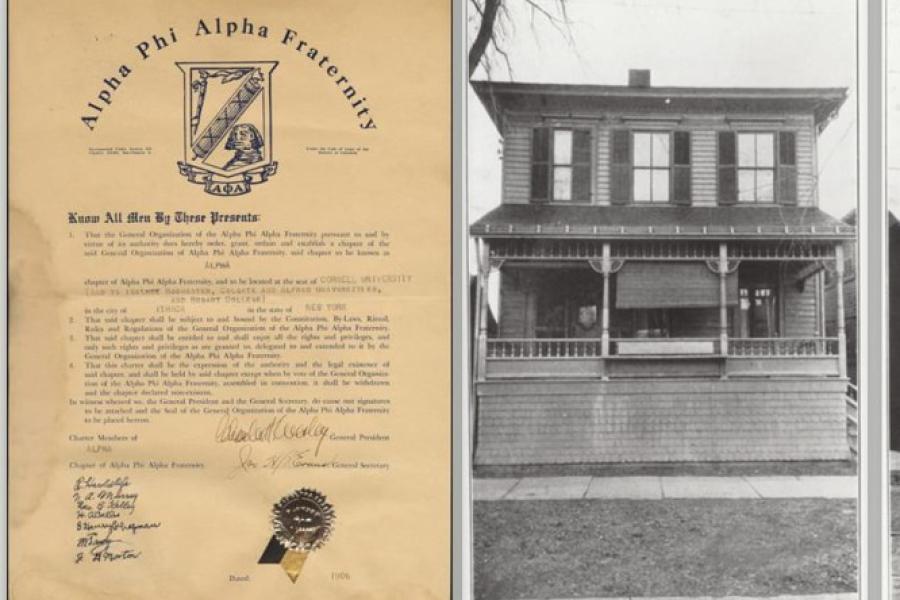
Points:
227	125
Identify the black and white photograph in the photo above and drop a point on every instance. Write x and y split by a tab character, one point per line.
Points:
892	130
662	203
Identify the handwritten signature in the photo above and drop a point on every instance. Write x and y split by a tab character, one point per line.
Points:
292	459
99	508
230	429
104	548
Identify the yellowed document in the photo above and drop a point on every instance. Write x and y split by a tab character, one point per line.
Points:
229	299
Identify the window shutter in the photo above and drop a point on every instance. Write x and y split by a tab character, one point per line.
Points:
727	168
620	175
540	164
787	168
681	169
581	165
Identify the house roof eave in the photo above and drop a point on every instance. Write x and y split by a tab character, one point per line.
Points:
822	103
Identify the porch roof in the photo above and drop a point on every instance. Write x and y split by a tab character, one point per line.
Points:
668	221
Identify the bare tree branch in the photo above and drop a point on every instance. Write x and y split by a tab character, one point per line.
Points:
497	21
563	26
499	50
535	7
485	31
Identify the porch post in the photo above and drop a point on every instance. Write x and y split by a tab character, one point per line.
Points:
481	314
839	289
723	298
604	318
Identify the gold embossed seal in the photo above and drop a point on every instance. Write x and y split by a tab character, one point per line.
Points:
303	520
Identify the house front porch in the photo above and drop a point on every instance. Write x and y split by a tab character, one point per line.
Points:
653	343
659	309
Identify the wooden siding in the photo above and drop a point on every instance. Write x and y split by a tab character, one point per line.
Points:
801	313
806	169
514	300
544	422
647	367
517	154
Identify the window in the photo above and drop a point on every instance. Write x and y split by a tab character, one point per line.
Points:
758	312
756	167
561	165
652	161
759	305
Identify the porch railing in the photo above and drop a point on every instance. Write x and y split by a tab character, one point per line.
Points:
576	348
851	398
783	347
544	348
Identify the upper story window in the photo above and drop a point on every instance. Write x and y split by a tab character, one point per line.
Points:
652	160
756	167
561	165
650	167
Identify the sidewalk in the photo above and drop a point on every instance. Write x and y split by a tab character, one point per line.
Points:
659	488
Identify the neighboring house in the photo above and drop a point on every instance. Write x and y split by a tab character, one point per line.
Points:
661	259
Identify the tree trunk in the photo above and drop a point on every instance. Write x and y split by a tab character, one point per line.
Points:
484	34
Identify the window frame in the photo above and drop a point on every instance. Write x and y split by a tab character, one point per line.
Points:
555	165
773	169
551	165
652	168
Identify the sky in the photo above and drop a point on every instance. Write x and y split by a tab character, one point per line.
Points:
716	43
893	106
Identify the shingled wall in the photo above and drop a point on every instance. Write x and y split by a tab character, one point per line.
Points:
663	420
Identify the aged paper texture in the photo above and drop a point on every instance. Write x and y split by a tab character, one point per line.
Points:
229	299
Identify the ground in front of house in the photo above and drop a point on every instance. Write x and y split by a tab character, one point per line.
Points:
624	547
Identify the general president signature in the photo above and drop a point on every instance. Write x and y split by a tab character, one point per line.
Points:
231	429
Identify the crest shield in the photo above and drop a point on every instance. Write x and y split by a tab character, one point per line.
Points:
227	125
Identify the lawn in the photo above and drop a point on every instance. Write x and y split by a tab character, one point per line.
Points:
583	548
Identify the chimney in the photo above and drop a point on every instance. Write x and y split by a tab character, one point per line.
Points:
639	78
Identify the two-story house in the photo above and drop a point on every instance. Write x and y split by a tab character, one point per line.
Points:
661	256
